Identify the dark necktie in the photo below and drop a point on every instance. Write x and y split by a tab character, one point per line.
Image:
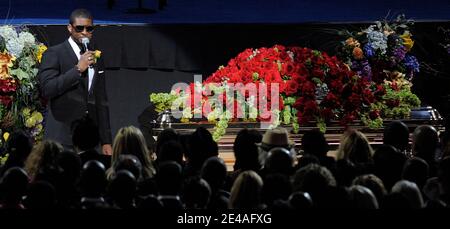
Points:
82	48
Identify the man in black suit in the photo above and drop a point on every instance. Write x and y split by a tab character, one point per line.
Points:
74	82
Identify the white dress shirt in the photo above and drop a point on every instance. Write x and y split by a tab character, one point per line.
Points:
77	51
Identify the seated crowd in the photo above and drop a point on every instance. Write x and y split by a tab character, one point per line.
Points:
183	171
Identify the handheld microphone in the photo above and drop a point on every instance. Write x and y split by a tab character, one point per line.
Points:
85	42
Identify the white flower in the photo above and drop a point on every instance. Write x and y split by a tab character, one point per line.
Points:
187	113
26	38
14	46
291	55
8	32
377	39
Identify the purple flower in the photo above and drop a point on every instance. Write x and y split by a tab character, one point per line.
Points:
411	63
368	50
399	53
363	69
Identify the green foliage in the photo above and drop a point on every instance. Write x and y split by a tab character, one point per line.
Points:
162	101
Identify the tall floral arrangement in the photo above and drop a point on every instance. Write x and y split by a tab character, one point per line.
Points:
381	54
20	104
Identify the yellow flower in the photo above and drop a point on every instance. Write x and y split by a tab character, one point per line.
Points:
407	41
26	112
3	159
37	116
42	48
97	54
39	127
30	122
6	136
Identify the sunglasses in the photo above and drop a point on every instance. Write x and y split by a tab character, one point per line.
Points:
80	28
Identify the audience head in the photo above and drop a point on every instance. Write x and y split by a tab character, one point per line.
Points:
201	147
313	178
388	164
314	142
85	134
169	178
444	138
130	163
13	187
70	164
196	193
214	171
246	191
354	147
122	189
300	200
396	134
44	156
410	191
171	151
164	136
246	151
362	197
425	142
416	170
279	160
444	174
18	147
129	140
278	137
93	179
373	183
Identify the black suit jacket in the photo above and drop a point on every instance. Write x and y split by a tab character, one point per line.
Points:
68	95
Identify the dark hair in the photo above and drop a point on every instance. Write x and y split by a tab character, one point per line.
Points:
314	142
396	134
80	13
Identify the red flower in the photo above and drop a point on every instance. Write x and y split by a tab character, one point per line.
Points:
291	87
293	68
308	89
374	114
393	103
317	72
327	114
6	99
331	100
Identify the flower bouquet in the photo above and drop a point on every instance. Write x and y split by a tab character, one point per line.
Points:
381	55
20	104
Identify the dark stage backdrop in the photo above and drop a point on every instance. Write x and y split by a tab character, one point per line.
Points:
151	58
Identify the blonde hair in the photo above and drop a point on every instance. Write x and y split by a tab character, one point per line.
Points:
43	154
246	191
130	140
354	147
